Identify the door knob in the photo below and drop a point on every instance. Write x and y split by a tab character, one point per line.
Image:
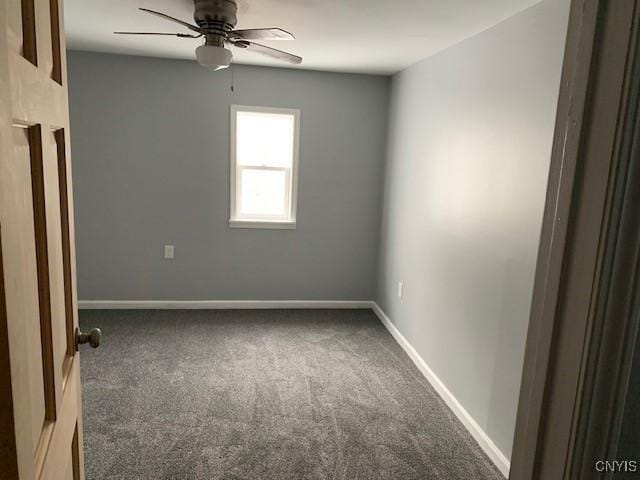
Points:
92	337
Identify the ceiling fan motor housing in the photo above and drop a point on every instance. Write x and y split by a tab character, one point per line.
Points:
216	17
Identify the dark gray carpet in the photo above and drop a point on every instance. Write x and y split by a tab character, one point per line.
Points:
264	395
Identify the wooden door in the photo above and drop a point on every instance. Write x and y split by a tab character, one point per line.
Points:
583	322
40	416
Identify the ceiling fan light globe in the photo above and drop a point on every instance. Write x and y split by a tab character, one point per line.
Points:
212	57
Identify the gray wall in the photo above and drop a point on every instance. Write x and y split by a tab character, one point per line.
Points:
150	145
469	149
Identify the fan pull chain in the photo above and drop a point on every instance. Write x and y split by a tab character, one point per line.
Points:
232	80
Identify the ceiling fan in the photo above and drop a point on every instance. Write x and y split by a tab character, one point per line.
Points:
216	20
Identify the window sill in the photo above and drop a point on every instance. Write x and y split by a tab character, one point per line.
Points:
269	224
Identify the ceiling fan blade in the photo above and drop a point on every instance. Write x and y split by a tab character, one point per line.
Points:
274	33
167	17
268	51
181	35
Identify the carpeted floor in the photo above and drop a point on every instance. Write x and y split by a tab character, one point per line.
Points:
263	395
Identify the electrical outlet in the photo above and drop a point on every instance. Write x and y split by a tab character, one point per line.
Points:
400	289
169	251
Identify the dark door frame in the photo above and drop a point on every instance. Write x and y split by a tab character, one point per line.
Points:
584	315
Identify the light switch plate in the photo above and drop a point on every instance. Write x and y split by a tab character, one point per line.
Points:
169	251
400	289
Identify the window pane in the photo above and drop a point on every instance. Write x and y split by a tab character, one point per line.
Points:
263	192
264	139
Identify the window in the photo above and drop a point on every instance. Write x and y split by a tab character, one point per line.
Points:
264	167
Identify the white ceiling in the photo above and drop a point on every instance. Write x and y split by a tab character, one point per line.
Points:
367	36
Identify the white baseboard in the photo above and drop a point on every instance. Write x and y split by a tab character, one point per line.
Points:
217	304
490	448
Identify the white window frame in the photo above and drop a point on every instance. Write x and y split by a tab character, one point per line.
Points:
291	195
